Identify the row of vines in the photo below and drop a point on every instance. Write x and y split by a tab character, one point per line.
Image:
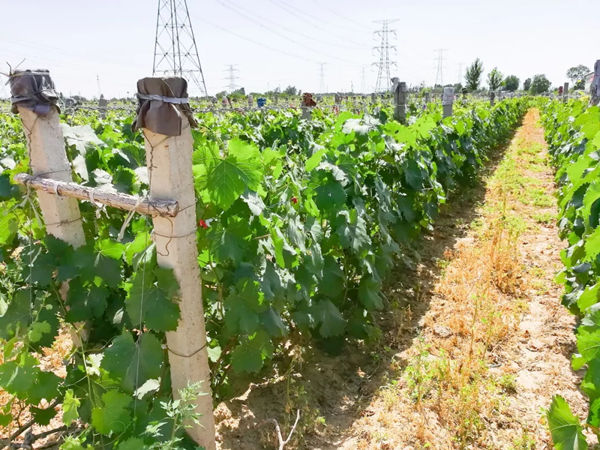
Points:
299	224
573	135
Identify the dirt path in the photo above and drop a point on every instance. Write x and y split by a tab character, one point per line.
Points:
473	351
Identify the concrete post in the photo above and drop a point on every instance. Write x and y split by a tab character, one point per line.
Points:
48	159
447	101
102	106
595	85
400	101
565	92
169	161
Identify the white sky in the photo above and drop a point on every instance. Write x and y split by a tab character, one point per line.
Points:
280	42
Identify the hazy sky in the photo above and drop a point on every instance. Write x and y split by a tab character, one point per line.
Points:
281	42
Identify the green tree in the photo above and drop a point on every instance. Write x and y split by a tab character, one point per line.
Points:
494	79
577	74
511	83
527	84
291	91
540	84
473	75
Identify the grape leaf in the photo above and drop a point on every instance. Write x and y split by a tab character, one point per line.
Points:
110	248
132	444
17	313
108	269
131	363
151	304
113	416
564	426
241	169
368	294
69	407
42	416
330	196
246	358
86	302
331	320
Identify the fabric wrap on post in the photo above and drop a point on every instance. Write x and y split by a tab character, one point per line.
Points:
161	103
34	90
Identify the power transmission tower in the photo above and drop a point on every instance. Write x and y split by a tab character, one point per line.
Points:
363	81
322	88
460	72
439	73
232	77
98	83
175	50
383	49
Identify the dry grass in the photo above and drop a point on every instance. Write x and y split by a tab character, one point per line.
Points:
479	289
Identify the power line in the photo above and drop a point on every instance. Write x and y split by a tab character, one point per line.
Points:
314	21
269	28
340	15
258	43
383	65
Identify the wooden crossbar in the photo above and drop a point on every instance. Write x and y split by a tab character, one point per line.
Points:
148	206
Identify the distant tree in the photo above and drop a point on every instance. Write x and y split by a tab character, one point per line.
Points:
577	74
238	93
290	90
527	84
511	83
540	84
275	91
473	75
494	79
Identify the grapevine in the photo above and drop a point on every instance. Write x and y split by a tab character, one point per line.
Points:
299	224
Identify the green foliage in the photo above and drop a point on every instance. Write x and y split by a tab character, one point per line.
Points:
573	135
494	79
473	75
300	224
564	426
577	73
511	83
527	84
539	85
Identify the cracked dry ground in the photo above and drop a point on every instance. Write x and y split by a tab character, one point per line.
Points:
474	349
